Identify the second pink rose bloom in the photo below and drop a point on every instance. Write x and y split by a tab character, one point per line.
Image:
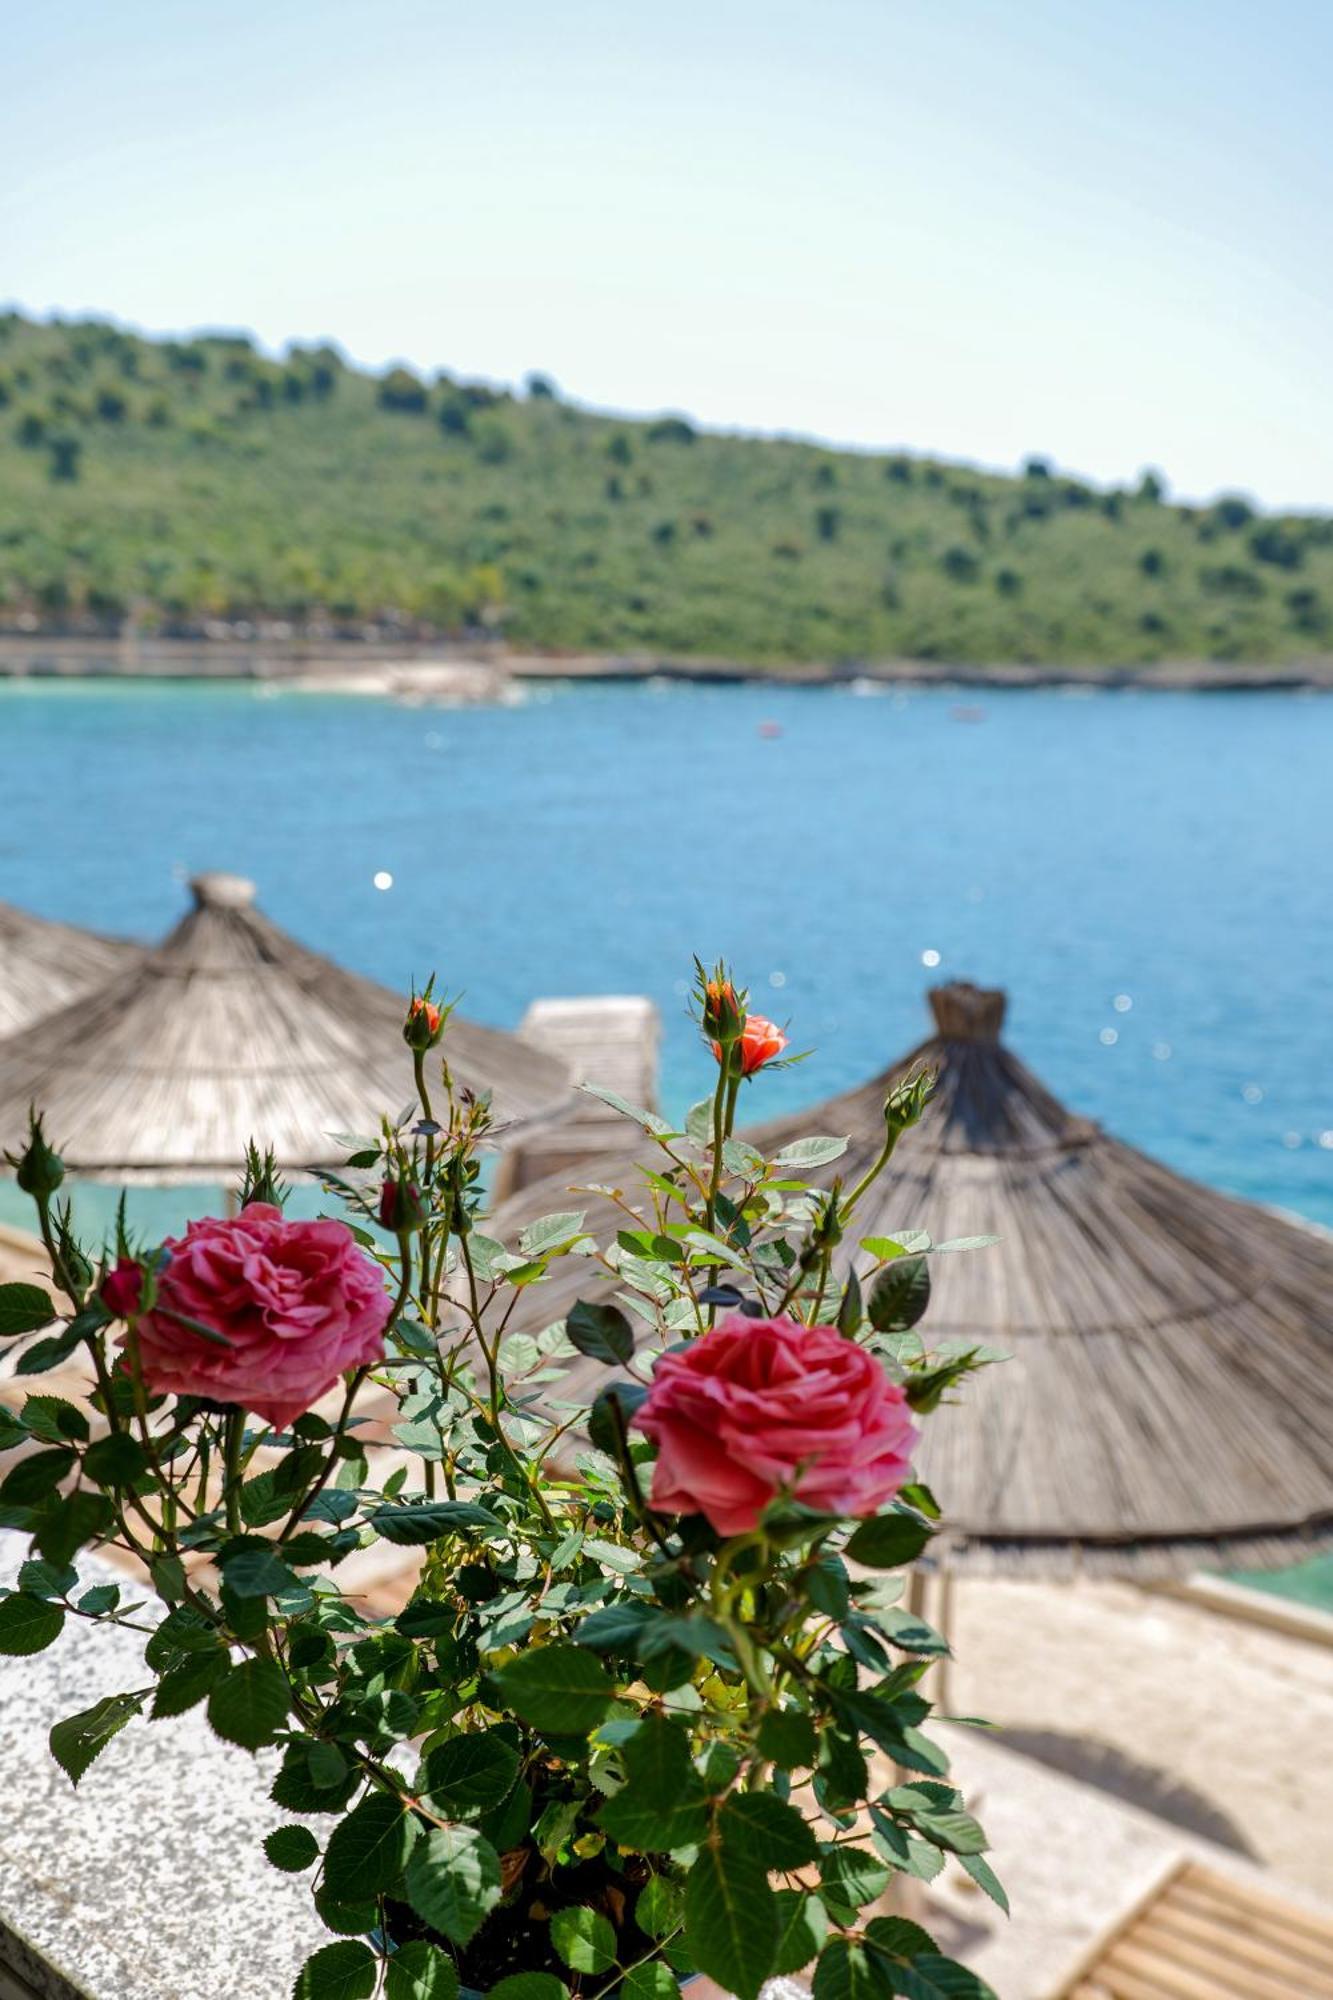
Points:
761	1406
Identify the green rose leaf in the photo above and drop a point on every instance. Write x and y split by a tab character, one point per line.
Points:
295	1789
414	1523
453	1880
852	1877
326	1764
663	1803
29	1624
803	1154
787	1737
55	1420
36	1475
256	1573
369	1849
339	1972
803	1927
346	1919
470	1773
292	1849
775	1835
584	1939
651	1981
731	1918
420	1971
930	1976
611	1413
77	1740
985	1878
899	1295
533	1986
103	1597
602	1332
115	1460
70	1522
615	1628
43	1579
660	1907
561	1690
848	1971
184	1685
250	1706
24	1309
49	1353
888	1541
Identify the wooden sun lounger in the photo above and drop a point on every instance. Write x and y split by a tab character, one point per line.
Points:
1203	1935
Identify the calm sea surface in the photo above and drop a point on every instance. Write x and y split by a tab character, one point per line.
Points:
1148	874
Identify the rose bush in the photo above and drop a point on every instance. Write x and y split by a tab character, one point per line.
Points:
768	1407
653	1705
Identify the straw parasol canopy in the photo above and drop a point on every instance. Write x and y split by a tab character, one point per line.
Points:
1169	1400
230	1031
44	964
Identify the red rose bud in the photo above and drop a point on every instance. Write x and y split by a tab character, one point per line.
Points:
761	1042
424	1024
401	1207
122	1289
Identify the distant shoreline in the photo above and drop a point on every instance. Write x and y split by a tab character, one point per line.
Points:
423	671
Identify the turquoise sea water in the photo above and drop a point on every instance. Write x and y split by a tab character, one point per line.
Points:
1172	851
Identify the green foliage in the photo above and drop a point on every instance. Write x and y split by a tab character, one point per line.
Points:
292	1849
584	1940
76	1741
23	1309
732	1922
249	1705
183	482
453	1880
421	1971
28	1624
339	1972
369	1849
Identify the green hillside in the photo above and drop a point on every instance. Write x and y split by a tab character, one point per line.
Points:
181	482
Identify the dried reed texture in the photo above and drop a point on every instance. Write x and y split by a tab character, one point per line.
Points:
230	1031
43	965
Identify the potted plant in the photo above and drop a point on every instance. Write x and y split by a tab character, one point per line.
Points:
633	1723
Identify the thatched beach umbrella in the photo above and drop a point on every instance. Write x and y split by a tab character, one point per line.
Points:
45	964
1169	1401
229	1031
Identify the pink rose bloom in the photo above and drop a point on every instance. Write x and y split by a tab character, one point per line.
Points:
297	1303
761	1406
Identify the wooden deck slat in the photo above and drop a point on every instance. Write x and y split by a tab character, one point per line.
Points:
1202	1935
1174	1920
1217	1961
1238	1920
1207	1883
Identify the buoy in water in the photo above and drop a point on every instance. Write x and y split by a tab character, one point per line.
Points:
769	730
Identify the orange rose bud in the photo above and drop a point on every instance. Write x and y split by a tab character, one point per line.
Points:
722	1016
424	1024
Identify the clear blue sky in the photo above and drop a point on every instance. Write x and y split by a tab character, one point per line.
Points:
1098	229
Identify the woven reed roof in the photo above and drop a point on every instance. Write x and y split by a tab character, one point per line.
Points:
43	965
1169	1401
229	1031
